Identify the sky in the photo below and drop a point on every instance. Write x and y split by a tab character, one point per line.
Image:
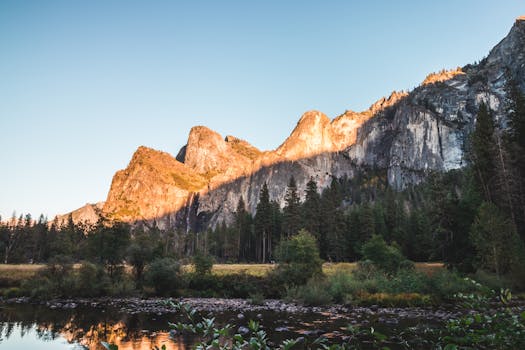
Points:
84	83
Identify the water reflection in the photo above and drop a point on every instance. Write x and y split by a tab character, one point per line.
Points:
36	327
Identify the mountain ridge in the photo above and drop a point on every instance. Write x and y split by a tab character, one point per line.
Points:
407	134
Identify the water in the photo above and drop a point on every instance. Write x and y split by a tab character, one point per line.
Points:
24	326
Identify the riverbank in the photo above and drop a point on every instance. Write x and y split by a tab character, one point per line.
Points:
124	321
161	306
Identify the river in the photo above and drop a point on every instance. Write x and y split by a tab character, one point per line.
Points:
142	324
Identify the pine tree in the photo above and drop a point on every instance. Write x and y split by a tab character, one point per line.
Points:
276	227
311	209
483	151
495	239
292	209
242	226
515	146
263	225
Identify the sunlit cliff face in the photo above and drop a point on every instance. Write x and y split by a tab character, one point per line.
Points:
156	184
408	135
442	75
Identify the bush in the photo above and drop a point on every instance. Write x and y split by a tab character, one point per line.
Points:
91	280
256	298
240	285
365	270
315	292
384	256
12	292
406	281
444	284
298	259
203	264
164	276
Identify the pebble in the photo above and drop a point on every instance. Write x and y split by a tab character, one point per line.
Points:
243	330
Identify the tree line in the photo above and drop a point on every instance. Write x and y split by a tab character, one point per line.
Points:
470	218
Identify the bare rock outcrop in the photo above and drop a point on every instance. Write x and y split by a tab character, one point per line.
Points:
408	135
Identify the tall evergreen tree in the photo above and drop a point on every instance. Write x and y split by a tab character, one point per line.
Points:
516	151
495	240
263	225
242	222
292	209
482	151
311	209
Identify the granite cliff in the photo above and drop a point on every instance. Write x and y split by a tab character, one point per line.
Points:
407	134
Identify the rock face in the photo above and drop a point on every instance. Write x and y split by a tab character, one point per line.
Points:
154	185
407	134
87	215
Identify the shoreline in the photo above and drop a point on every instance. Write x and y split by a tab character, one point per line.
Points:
158	306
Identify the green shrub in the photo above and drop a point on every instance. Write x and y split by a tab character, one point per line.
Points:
445	284
298	259
405	281
384	256
341	284
239	285
315	292
123	287
491	280
203	264
12	292
164	276
365	270
91	280
256	298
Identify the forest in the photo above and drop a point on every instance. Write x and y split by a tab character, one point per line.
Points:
470	219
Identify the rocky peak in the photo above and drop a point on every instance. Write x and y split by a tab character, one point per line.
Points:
152	185
243	147
206	150
442	76
88	216
384	103
311	135
345	126
508	54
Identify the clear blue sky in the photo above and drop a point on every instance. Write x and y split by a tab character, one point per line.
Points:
84	83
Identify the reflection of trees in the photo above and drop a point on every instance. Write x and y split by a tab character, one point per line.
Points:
88	326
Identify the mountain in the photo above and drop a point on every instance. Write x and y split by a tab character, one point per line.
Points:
88	215
408	135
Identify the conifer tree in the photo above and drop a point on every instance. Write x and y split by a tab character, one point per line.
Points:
292	209
495	239
243	228
263	224
516	151
311	209
483	151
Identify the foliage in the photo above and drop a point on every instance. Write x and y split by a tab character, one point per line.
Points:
315	292
92	281
298	259
163	274
486	328
385	257
292	209
142	249
494	238
203	264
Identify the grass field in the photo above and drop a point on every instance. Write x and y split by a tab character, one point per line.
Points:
13	274
328	268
